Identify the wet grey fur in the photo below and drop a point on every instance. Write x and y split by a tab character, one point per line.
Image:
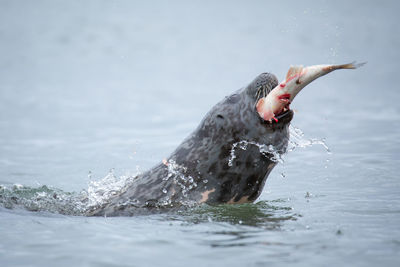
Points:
201	162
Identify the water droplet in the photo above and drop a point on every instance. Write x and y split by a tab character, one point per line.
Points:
165	190
205	181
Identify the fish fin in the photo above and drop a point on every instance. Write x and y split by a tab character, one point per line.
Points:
293	71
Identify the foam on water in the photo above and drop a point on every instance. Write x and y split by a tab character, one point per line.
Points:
42	198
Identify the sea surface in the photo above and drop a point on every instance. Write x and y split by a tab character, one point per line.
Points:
93	92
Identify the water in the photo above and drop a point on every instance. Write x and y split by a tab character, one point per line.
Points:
89	87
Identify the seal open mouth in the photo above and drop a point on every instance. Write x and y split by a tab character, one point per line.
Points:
284	116
285	112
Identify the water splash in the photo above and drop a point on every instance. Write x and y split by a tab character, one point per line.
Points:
297	139
42	198
266	150
100	191
178	174
45	198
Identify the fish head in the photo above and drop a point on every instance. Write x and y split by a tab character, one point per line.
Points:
258	90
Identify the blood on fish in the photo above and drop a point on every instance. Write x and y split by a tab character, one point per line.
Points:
284	96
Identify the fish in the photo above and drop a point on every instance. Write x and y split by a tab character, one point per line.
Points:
278	100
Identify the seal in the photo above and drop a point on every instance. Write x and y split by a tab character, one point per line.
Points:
227	159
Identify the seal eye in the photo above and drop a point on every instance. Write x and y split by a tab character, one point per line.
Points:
219	116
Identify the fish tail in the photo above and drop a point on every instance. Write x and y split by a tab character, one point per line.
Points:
352	65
